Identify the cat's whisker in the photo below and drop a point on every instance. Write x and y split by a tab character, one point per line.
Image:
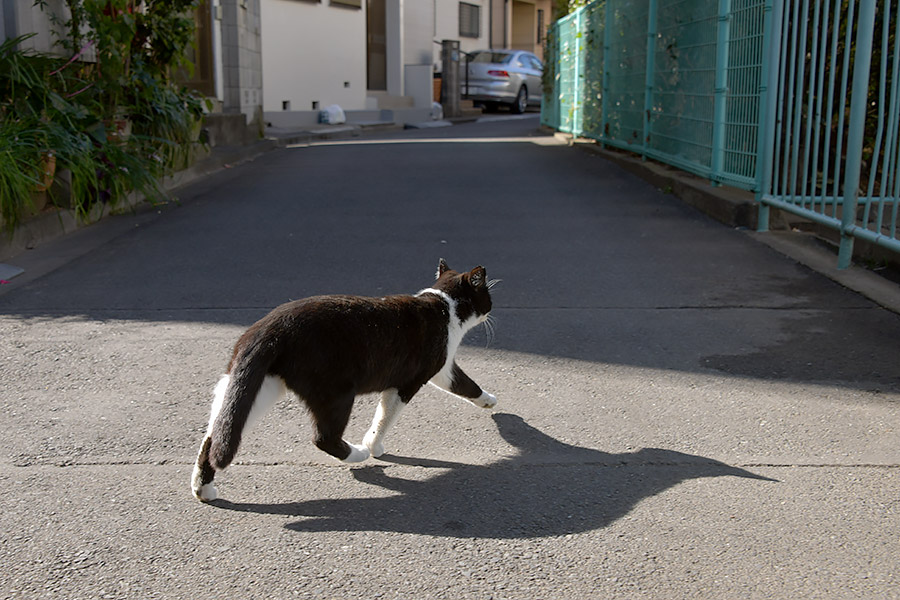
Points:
492	283
489	331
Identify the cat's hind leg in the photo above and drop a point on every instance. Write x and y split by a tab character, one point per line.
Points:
385	416
330	418
202	477
203	474
270	392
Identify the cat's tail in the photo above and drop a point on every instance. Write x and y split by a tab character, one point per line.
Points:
241	397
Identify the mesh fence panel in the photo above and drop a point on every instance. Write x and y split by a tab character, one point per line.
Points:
699	107
684	77
626	64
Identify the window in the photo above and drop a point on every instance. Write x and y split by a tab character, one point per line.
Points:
469	20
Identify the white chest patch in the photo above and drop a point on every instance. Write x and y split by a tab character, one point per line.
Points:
455	332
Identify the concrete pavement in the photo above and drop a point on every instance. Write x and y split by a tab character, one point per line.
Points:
683	412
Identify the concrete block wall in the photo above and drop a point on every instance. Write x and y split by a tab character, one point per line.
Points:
242	59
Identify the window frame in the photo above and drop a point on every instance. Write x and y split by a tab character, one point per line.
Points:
468	13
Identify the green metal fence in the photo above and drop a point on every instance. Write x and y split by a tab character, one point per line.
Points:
833	127
674	80
797	100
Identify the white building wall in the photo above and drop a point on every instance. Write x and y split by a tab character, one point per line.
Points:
418	51
418	31
20	17
313	53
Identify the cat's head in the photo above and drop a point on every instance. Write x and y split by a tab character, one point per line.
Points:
470	290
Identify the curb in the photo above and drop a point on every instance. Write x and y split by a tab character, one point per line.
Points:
282	137
57	223
54	224
737	208
728	205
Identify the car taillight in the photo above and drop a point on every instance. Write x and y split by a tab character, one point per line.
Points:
499	73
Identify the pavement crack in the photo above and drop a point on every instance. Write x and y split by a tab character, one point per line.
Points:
819	466
437	464
686	307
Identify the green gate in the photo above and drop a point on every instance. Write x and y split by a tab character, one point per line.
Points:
834	124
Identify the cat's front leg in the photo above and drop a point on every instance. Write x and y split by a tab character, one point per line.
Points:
459	384
385	416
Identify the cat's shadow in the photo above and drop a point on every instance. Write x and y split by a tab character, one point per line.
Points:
548	488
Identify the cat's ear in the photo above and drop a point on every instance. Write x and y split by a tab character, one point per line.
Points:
478	277
442	266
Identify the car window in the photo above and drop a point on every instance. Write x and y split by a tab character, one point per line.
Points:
531	62
496	58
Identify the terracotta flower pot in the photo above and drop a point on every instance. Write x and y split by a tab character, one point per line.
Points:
118	130
48	170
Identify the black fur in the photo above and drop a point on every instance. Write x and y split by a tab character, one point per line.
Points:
329	349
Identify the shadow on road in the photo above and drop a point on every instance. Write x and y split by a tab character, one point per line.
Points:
598	265
548	488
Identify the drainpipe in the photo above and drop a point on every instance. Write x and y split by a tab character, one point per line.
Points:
506	23
490	23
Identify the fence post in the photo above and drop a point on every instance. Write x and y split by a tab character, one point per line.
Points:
557	84
577	99
649	75
768	102
721	90
858	101
604	99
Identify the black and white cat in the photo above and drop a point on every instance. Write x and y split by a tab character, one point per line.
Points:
329	349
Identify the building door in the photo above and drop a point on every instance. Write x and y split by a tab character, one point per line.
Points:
376	45
524	26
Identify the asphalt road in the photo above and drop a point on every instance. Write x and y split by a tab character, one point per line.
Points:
683	412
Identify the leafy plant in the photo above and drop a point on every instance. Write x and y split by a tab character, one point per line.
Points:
25	131
19	159
120	54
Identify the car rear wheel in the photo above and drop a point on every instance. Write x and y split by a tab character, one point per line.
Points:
521	101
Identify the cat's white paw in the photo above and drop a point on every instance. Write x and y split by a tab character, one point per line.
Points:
375	447
486	400
357	453
206	493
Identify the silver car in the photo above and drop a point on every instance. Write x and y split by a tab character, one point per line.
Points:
511	77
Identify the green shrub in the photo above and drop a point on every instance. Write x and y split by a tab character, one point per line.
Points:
70	106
